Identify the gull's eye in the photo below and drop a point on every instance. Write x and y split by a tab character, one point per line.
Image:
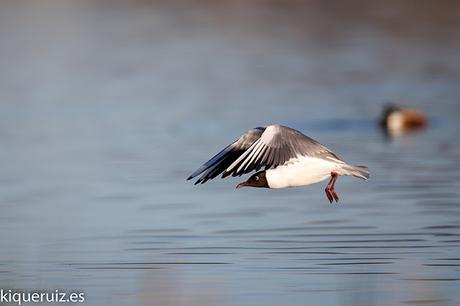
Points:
256	177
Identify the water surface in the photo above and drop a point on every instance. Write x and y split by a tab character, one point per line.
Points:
106	108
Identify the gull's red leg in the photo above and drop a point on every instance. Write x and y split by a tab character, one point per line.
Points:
334	177
329	195
328	190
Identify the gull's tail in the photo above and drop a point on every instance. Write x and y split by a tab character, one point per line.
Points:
358	171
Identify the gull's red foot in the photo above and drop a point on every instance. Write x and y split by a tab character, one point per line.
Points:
330	192
336	197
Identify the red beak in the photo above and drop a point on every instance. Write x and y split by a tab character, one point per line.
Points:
242	185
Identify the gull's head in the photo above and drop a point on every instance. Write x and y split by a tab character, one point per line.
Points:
257	180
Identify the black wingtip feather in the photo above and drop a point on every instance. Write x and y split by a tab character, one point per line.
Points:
221	161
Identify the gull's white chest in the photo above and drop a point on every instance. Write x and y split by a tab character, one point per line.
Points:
300	172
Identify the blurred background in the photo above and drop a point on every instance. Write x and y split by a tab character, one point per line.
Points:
107	106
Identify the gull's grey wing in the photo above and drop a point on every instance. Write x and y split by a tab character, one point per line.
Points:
227	156
276	146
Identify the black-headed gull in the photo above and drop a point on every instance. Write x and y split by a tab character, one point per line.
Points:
288	157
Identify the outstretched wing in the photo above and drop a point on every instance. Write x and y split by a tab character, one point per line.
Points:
267	147
277	145
227	156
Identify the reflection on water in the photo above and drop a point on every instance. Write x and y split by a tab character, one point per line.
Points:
107	107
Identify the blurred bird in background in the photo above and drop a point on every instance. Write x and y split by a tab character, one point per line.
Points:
397	121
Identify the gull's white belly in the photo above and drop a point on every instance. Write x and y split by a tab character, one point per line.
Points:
301	172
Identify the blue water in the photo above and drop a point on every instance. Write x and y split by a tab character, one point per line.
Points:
106	108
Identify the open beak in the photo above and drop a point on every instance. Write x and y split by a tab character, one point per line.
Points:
243	184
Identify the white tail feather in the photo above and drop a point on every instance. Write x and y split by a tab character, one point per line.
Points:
357	171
